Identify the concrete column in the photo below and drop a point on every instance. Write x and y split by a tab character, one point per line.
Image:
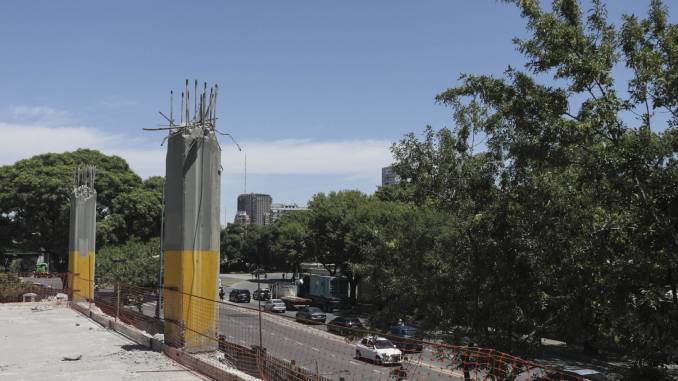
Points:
191	238
82	236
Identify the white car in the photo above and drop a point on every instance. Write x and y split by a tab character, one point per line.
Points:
378	349
274	305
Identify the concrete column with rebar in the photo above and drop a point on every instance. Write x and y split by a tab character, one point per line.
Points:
191	237
82	235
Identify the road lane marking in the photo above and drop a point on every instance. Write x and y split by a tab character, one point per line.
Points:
353	362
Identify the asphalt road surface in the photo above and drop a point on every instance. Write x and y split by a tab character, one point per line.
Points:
311	347
333	356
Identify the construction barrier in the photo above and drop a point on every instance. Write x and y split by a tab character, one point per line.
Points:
276	347
33	287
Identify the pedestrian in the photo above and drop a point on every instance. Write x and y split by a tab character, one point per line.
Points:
265	275
283	276
221	293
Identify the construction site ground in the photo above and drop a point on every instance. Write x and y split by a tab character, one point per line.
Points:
45	341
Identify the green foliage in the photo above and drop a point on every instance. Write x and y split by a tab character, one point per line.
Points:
34	202
138	212
290	238
232	242
566	224
134	262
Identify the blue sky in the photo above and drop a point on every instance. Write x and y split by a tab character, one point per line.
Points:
315	91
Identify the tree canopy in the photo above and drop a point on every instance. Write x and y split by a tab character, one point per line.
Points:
34	202
550	208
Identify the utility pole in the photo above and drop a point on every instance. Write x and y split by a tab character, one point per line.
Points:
162	228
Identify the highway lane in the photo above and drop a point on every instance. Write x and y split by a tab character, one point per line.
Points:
317	342
310	347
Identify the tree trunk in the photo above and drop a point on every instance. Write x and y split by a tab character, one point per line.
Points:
352	285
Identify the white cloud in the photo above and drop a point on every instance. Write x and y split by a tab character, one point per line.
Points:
317	165
36	115
306	156
353	158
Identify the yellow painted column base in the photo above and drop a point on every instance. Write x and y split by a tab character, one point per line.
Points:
189	293
81	275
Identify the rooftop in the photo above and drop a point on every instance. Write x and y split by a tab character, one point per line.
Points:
40	341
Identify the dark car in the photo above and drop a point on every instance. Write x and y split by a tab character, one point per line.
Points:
310	315
405	338
345	326
327	304
239	296
264	294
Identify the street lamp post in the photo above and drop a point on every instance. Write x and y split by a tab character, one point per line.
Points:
162	238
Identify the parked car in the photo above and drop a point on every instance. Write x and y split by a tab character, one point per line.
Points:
263	294
378	349
572	374
310	315
345	326
275	305
239	296
404	336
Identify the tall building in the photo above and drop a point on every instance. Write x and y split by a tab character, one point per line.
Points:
278	210
256	206
389	176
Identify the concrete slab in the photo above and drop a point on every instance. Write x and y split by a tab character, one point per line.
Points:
36	337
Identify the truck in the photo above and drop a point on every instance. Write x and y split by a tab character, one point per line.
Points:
327	292
287	292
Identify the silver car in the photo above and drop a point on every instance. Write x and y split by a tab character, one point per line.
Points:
379	350
274	305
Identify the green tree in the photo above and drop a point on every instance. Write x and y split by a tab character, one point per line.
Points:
567	222
35	204
256	249
134	262
34	197
232	244
137	213
344	231
290	240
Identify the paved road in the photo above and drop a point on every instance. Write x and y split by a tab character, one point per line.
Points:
251	284
286	339
312	346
